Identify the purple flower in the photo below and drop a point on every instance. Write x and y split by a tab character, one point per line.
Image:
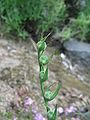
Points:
34	109
71	109
39	116
28	101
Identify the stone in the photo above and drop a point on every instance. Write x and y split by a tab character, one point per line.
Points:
78	54
78	51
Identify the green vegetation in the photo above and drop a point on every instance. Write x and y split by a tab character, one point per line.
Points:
70	18
47	93
81	25
45	13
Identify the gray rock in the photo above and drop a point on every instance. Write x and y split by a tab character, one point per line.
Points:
74	45
79	54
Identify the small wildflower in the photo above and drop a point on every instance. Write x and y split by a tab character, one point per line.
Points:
39	117
71	109
28	101
34	109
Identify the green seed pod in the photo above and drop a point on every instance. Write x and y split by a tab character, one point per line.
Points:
48	94
44	59
44	75
41	46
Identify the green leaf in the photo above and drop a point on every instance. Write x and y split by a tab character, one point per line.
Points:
44	59
44	75
51	95
48	94
55	113
52	114
41	75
